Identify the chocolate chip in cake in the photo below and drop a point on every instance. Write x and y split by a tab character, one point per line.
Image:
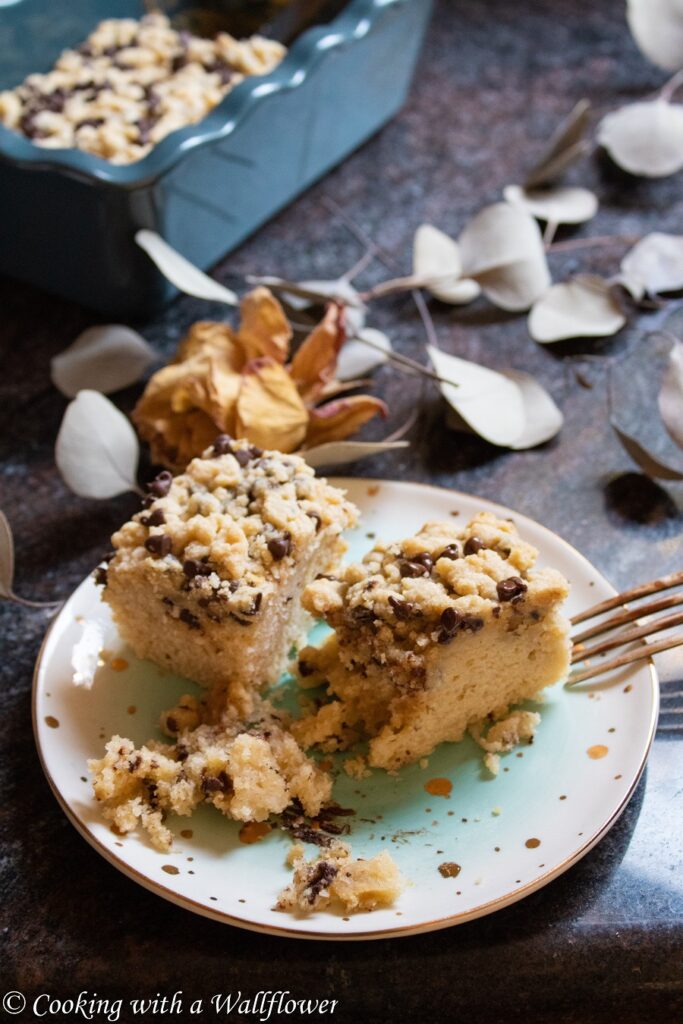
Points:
402	609
473	545
155	518
305	668
452	551
413	567
100	576
318	521
450	619
189	619
511	588
216	783
473	623
255	604
193	567
322	875
161	484
280	547
159	544
222	445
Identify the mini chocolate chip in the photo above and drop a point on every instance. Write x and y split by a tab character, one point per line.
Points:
188	618
412	568
256	452
280	547
305	669
100	576
255	604
161	484
193	567
473	545
450	619
424	558
471	622
445	636
181	752
171	724
452	551
317	519
159	544
510	588
167	601
155	518
222	445
91	122
496	611
216	784
363	614
402	609
321	876
134	763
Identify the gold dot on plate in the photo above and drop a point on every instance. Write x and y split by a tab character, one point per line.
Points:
617	776
612	729
532	843
131	709
170	869
52	721
187	833
627	689
118	664
563	797
597	751
373	490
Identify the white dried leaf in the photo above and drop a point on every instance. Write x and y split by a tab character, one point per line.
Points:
336	453
650	464
502	249
558	205
180	272
543	419
657	27
362	354
566	146
85	654
490	403
645	138
671	395
437	262
583	307
655	263
97	450
105	358
6	557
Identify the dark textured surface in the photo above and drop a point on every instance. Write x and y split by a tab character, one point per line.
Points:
601	942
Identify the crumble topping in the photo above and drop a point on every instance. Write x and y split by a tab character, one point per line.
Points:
335	880
230	527
130	84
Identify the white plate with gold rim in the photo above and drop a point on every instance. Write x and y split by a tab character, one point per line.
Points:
510	835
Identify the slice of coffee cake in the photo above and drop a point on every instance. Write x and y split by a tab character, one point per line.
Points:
432	634
207	580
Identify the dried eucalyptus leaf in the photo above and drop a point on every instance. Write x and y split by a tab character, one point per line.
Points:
645	138
490	403
436	261
361	354
96	451
583	307
336	453
502	250
650	464
104	358
657	27
670	399
543	418
655	263
6	557
566	146
180	272
558	205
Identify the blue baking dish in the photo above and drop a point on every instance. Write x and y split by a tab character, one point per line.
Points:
69	218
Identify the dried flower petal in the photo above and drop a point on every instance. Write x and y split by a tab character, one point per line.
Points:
270	411
342	417
96	450
264	329
337	453
362	353
315	361
6	557
645	138
180	272
104	358
671	395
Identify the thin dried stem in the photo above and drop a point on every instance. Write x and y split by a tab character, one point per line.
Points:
358	267
598	240
667	91
549	233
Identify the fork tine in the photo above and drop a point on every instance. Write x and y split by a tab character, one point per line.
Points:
674	579
642	653
628	615
580	653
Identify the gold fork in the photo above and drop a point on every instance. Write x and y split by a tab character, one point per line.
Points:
584	655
